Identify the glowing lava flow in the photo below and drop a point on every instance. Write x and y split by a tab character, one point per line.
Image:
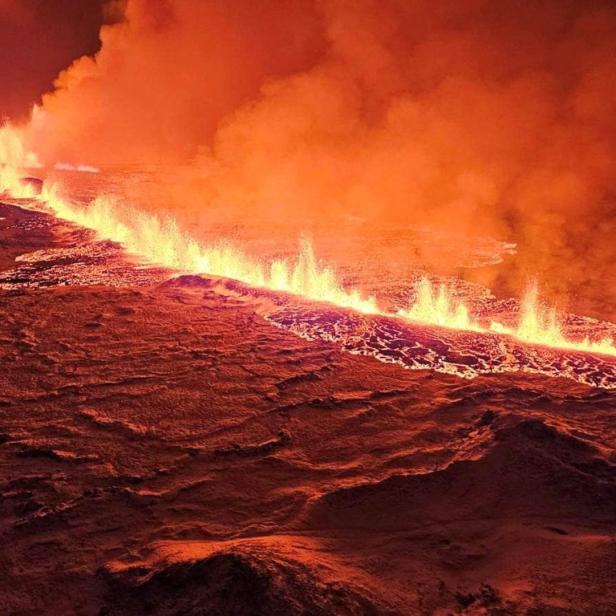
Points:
13	158
537	325
439	308
541	326
161	242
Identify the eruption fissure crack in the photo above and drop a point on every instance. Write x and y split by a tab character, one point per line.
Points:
163	243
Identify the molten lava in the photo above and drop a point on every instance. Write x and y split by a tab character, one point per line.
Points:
13	159
437	307
161	242
539	325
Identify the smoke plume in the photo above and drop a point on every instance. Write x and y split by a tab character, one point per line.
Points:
477	116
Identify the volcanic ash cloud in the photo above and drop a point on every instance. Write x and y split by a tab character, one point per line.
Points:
480	117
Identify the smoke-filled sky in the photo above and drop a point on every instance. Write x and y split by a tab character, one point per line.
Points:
484	116
39	38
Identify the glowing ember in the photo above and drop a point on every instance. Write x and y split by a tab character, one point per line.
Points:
162	242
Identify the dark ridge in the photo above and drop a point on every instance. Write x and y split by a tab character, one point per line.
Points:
558	531
529	469
235	582
260	449
190	280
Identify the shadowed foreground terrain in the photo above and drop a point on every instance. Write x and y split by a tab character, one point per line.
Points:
165	450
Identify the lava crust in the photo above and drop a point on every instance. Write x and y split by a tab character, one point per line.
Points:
166	449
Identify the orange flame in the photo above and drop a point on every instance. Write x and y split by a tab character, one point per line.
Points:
539	325
13	158
439	308
162	242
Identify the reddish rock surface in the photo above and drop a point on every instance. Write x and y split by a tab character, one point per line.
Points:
165	450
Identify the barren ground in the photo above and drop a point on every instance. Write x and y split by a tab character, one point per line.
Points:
166	450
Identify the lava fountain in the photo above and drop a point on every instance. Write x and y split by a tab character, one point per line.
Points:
161	242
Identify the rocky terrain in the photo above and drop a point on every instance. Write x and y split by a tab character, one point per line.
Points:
165	449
